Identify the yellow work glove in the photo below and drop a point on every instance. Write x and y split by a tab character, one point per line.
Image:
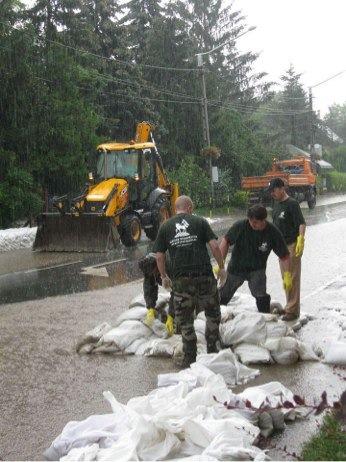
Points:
216	270
150	317
287	280
170	325
300	245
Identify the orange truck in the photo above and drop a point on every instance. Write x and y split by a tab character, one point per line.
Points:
298	173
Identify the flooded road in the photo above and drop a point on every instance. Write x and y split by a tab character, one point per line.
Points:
28	275
45	383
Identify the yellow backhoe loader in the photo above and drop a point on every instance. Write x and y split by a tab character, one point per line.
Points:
130	192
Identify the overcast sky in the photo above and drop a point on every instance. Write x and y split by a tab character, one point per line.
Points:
310	34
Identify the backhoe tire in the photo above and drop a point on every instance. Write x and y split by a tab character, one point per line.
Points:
161	212
130	230
311	199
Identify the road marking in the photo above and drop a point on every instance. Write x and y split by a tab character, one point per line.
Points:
99	269
34	270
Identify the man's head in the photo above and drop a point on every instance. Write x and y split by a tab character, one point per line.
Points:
276	188
257	215
184	204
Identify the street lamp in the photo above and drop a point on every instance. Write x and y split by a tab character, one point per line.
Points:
206	132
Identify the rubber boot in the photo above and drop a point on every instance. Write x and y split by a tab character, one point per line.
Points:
263	304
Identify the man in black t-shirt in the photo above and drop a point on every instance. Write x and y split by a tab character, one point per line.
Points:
185	237
288	217
253	239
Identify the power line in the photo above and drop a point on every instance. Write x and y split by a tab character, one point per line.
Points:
329	78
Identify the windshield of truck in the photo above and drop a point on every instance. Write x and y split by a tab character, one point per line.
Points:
118	164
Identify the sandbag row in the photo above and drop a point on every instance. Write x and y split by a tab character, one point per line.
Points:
254	337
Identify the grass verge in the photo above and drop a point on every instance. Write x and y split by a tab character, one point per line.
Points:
328	444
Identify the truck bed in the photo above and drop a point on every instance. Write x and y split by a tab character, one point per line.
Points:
261	182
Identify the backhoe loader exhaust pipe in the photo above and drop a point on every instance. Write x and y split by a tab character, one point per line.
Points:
70	233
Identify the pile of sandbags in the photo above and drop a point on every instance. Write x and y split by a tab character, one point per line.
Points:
16	238
253	337
206	422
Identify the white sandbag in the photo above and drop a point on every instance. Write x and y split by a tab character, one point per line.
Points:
92	337
245	328
226	447
126	333
336	353
159	399
136	346
271	394
202	431
144	441
277	329
199	325
159	329
137	313
143	346
106	348
137	301
227	313
252	354
306	353
283	350
173	378
201	315
226	364
161	347
82	454
102	429
124	449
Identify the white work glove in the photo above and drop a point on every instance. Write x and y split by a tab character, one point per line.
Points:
222	277
167	283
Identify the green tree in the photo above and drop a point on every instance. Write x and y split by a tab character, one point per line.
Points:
336	120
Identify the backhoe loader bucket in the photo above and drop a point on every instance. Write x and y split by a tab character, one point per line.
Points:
69	233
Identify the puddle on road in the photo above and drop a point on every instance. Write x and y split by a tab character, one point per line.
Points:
72	277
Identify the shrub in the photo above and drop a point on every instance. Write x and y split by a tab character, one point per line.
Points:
192	180
336	181
240	199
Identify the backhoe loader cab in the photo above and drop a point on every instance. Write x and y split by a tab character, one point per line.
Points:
130	192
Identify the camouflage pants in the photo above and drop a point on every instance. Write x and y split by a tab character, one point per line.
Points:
196	294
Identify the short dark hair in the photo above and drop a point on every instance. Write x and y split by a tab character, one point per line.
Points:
257	211
275	183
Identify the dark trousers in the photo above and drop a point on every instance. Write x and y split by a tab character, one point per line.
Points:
257	281
192	295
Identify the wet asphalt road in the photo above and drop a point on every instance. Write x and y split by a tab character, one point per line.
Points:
27	275
44	383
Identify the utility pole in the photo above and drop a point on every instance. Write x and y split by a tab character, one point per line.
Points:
312	128
205	118
206	132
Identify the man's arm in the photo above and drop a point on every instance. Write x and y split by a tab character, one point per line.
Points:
285	263
215	250
161	264
302	229
224	247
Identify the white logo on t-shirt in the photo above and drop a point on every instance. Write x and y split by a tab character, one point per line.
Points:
263	247
282	215
182	238
180	228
